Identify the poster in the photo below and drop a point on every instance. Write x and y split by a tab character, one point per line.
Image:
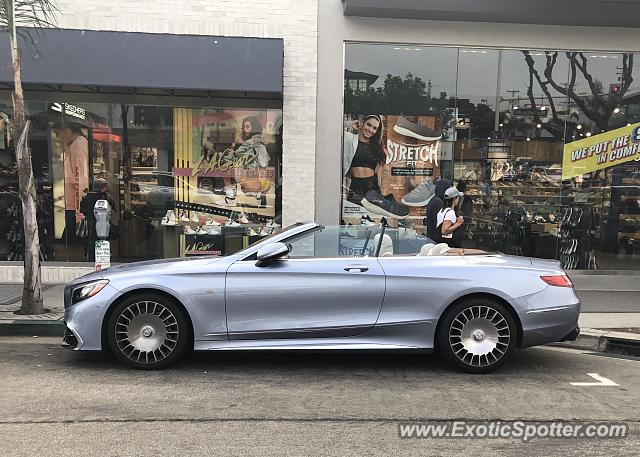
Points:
390	163
228	160
601	151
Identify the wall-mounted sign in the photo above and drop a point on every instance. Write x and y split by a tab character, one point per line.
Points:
68	109
601	151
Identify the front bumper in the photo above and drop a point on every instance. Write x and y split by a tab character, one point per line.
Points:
71	340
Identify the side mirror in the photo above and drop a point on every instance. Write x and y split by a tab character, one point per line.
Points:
271	251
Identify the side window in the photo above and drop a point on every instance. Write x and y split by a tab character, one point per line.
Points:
333	242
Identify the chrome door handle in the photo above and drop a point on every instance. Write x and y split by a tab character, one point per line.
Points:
360	268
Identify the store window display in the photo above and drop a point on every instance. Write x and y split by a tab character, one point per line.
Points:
542	143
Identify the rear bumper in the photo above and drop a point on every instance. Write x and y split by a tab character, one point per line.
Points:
550	326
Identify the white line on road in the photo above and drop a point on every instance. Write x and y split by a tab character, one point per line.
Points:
602	381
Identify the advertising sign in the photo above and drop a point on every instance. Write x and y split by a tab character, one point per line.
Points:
601	151
103	254
390	163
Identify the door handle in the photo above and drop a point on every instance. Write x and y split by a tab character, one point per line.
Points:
360	268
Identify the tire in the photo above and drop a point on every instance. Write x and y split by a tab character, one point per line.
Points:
477	335
147	331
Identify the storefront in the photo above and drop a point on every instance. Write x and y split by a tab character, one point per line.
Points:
182	135
542	140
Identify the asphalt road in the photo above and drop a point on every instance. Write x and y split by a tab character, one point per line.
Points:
54	403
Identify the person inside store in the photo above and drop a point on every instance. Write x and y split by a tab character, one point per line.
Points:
76	173
464	208
434	206
363	153
448	222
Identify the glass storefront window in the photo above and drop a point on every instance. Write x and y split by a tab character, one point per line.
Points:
541	143
179	181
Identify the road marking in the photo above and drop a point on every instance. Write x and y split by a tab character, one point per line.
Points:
602	381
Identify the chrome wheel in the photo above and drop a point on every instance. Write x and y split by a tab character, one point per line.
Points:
146	332
479	336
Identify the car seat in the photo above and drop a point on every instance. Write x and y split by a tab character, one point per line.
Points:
386	248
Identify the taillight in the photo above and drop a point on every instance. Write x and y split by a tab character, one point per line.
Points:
557	280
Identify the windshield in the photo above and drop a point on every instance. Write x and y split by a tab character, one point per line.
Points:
274	232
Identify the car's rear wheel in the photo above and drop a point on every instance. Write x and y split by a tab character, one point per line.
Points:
147	331
477	335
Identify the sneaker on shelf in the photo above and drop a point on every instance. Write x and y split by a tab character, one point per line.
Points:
385	206
189	231
169	219
366	220
222	200
194	217
231	223
349	231
242	218
211	221
272	224
183	216
231	191
252	232
418	131
211	229
421	195
201	231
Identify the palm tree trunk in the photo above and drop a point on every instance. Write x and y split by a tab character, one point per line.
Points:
32	288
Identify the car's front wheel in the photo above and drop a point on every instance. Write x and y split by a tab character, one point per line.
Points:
147	331
477	335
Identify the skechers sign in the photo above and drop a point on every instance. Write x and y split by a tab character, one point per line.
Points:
601	151
69	110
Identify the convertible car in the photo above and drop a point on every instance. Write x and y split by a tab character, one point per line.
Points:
311	287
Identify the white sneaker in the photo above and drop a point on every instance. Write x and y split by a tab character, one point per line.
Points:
242	219
183	216
194	217
201	231
211	221
189	231
211	229
231	223
252	232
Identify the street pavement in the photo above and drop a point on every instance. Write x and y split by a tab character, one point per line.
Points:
55	402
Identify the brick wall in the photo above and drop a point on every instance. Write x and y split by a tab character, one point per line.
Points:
295	21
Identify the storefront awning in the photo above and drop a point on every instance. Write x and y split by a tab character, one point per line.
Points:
151	61
598	13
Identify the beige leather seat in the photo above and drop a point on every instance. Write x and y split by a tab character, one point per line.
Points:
386	248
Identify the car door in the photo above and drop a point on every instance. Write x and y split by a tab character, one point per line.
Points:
304	297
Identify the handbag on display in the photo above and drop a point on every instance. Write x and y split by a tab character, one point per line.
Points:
82	229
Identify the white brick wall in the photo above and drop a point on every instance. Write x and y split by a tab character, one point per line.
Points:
293	20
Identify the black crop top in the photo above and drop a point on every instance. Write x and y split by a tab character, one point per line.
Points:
364	156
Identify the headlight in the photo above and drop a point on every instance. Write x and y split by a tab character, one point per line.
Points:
87	290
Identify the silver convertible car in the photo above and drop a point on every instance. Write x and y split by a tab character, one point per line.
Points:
311	287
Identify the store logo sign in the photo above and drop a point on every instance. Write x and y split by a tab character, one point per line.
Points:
69	110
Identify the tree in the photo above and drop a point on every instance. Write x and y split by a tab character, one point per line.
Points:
33	14
598	106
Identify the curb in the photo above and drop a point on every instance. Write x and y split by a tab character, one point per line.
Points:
605	341
32	328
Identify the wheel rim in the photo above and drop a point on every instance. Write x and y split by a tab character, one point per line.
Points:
479	336
146	332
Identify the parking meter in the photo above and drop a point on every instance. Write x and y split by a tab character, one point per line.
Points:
102	211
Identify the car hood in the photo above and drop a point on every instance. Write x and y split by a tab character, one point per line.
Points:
159	265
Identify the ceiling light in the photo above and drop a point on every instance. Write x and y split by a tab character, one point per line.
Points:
578	126
528	139
617	110
538	125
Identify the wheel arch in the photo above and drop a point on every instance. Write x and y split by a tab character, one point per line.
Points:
486	296
130	293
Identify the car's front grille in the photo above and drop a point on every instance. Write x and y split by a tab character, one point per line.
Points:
69	340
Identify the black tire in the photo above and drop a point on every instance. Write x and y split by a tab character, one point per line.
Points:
148	331
469	347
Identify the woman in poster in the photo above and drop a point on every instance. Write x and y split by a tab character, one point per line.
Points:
363	153
252	147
